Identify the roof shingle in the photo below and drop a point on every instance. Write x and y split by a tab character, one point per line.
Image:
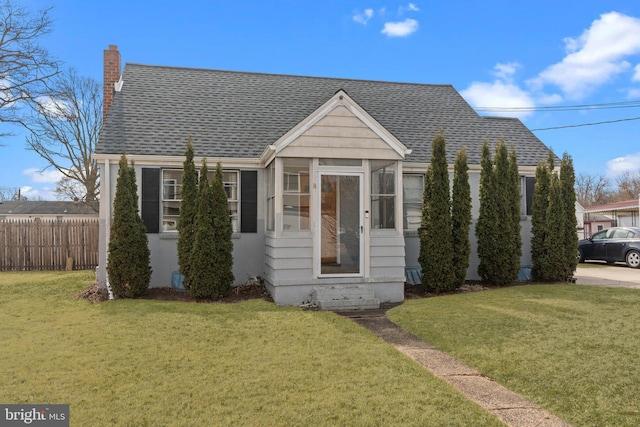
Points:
237	114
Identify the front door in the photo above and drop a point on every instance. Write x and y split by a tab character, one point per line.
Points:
341	224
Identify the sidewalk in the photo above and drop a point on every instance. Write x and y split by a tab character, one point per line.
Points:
612	275
509	407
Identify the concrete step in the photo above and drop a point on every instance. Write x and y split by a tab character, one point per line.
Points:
344	297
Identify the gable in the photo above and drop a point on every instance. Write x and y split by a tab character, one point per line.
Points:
338	129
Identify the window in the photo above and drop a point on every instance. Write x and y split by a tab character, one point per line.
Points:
412	191
172	196
527	184
230	183
271	195
295	198
383	194
600	235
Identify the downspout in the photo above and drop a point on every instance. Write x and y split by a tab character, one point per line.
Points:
107	221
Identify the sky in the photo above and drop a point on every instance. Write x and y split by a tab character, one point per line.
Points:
553	64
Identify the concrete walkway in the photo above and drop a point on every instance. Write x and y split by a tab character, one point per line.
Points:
509	407
617	275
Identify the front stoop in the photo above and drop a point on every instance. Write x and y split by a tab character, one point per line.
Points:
344	297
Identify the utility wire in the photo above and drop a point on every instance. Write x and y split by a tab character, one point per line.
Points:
602	106
587	124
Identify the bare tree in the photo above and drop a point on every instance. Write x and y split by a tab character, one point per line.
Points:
592	189
64	129
628	185
11	193
25	66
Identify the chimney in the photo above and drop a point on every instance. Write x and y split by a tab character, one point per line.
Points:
111	77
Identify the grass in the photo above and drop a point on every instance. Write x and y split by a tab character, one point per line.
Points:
140	362
571	349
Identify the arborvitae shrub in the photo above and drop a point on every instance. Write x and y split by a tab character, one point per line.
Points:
128	263
461	218
188	210
437	263
202	280
222	232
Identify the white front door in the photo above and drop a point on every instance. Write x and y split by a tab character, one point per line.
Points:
340	234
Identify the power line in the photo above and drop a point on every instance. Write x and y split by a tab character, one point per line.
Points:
600	106
587	124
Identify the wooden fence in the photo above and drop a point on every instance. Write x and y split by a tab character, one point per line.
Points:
48	244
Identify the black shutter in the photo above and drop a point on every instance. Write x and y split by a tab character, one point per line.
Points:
151	199
530	185
249	201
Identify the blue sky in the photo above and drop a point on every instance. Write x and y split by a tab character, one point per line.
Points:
500	54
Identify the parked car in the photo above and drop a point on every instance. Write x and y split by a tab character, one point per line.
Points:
617	244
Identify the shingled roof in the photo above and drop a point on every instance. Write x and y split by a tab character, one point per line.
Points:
47	207
237	114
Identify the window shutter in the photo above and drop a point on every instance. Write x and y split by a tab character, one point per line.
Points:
249	201
151	199
530	185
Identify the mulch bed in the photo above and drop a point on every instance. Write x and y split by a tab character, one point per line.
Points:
259	291
239	293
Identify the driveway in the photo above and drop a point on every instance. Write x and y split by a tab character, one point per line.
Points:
600	274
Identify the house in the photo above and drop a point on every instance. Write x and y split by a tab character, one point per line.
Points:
580	210
616	214
324	175
60	210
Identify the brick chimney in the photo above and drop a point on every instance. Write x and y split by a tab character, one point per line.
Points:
111	77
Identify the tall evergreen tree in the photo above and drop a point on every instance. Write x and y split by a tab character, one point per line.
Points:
461	217
202	283
222	233
514	194
498	228
539	220
486	227
567	181
551	161
423	256
128	263
437	270
188	210
506	260
554	257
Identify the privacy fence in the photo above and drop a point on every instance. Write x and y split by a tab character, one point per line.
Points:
48	244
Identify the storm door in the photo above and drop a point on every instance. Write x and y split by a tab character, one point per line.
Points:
341	225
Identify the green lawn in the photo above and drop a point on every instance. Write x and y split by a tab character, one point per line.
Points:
155	363
572	349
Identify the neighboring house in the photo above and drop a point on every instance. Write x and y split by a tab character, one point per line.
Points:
324	175
580	220
60	210
617	214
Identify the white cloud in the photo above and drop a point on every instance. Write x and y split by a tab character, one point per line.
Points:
595	57
32	193
506	71
43	177
633	94
400	29
411	7
502	92
636	74
499	94
617	166
363	18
